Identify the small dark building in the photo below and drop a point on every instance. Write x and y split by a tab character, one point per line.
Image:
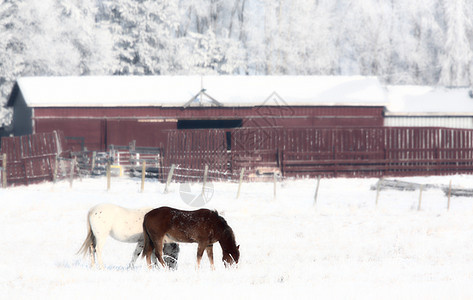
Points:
96	112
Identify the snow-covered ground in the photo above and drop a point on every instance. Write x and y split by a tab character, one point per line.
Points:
343	247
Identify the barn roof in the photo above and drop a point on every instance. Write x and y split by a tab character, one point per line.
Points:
429	101
112	91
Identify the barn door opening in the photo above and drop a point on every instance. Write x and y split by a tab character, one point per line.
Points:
228	138
209	124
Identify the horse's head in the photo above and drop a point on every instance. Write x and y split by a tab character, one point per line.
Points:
232	256
230	250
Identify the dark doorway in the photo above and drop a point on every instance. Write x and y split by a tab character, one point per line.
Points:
208	124
228	136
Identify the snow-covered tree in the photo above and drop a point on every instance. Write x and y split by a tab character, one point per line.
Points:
9	61
208	31
11	46
51	38
400	41
365	37
307	43
59	38
415	41
150	37
91	40
457	58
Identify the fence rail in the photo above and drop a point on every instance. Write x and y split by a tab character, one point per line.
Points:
328	152
261	152
30	158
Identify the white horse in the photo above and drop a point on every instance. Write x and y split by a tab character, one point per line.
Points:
124	225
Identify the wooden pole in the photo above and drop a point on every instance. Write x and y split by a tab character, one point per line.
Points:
275	180
206	170
239	183
26	172
317	190
71	175
109	175
143	175
4	170
92	165
449	194
378	187
168	181
420	197
56	162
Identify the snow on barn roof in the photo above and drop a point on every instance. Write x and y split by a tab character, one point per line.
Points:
108	91
429	101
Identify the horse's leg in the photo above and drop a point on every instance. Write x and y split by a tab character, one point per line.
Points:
158	250
171	254
148	247
210	254
136	253
92	255
200	252
148	253
154	259
148	260
98	251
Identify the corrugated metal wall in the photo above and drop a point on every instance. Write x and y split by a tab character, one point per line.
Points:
464	122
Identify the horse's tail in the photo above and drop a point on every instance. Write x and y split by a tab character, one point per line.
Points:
89	240
148	243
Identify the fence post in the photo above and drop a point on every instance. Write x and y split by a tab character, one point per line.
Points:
206	170
109	175
168	181
317	190
420	196
56	161
92	165
71	175
143	174
239	184
449	194
25	168
4	170
274	176
378	187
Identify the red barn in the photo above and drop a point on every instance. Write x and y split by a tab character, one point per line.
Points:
95	112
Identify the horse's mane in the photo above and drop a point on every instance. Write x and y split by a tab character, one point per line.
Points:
226	227
222	219
219	217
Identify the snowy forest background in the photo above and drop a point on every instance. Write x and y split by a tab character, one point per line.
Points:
426	42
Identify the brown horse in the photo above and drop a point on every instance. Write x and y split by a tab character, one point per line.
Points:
203	226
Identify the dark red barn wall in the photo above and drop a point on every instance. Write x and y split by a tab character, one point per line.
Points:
369	114
99	127
146	134
79	133
98	134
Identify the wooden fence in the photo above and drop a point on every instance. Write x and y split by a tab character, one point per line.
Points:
31	158
192	150
290	152
327	152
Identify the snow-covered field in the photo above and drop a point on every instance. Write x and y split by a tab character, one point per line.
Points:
344	247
